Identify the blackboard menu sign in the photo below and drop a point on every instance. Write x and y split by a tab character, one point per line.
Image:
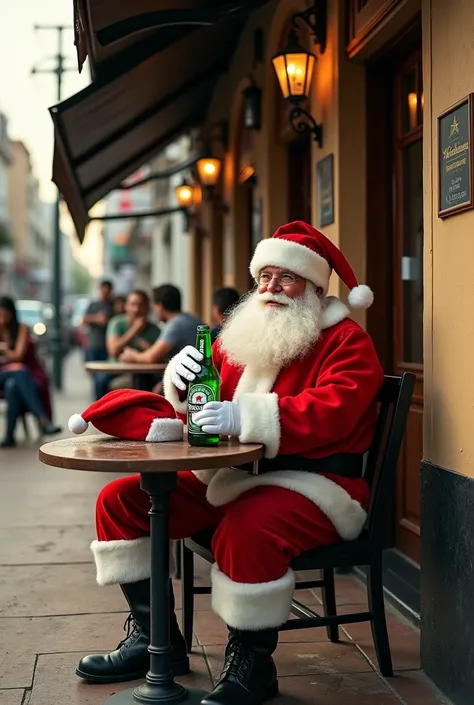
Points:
325	174
455	158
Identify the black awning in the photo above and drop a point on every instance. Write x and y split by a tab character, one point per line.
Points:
110	129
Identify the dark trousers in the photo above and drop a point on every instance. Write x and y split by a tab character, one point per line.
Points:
101	385
21	392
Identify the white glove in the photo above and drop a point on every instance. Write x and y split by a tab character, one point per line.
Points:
219	417
185	366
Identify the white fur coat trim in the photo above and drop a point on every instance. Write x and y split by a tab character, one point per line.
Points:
334	311
124	561
345	513
205	475
260	419
170	391
252	605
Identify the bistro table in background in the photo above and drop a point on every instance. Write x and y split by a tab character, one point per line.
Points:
157	464
140	372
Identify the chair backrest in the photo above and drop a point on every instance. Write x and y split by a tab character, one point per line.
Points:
380	470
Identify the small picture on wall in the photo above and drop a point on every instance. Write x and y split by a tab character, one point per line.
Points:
455	159
325	184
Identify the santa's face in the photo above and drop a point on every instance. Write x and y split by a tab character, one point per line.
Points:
275	324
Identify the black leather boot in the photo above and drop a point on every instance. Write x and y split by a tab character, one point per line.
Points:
131	659
249	675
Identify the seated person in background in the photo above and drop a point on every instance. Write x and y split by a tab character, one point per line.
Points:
119	305
96	318
23	380
131	330
223	301
179	331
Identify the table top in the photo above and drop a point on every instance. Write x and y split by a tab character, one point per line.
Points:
137	368
105	454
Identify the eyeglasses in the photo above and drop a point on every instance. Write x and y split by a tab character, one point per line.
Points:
284	280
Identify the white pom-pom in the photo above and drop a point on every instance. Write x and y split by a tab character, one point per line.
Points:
361	296
76	424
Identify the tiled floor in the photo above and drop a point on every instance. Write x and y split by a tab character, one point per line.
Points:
52	612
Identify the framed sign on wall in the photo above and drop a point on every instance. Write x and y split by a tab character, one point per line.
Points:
455	172
325	181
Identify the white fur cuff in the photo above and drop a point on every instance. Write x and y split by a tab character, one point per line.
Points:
122	561
260	416
170	391
252	605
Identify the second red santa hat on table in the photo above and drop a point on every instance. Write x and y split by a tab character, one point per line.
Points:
131	415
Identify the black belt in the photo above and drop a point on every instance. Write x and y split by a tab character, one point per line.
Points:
347	465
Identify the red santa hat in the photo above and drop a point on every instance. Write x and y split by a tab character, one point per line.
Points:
131	415
307	252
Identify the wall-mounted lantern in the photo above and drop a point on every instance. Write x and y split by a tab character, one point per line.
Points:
294	68
184	195
252	106
209	170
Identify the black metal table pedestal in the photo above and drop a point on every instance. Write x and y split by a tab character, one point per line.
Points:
160	686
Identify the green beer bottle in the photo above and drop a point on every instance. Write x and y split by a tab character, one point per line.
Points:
202	389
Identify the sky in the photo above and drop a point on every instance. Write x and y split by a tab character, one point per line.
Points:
25	98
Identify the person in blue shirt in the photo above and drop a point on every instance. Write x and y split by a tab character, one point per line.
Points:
223	301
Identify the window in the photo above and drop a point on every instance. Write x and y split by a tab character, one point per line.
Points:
364	17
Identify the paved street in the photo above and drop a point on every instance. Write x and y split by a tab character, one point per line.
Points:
52	612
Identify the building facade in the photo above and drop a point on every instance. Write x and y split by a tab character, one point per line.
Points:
390	69
30	232
170	247
6	241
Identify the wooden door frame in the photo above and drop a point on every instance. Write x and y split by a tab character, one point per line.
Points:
401	576
398	144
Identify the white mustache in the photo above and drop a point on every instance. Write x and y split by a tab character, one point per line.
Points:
277	298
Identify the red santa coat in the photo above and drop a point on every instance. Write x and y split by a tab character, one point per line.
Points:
316	406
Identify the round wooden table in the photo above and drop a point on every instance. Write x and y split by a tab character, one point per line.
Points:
157	464
140	372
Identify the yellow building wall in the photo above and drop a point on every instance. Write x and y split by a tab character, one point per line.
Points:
337	100
448	61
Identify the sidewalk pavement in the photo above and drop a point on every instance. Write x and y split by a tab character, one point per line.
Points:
52	612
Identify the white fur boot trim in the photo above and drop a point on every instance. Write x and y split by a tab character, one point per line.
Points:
122	561
252	606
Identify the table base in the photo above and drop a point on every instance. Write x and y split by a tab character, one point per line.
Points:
133	696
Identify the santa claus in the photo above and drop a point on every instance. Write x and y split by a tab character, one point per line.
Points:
299	376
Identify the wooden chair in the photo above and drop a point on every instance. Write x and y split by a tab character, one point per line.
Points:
380	471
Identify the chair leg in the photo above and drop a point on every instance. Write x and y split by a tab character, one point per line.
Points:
25	426
379	622
187	593
177	559
329	603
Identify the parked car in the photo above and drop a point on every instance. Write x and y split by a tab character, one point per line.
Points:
39	319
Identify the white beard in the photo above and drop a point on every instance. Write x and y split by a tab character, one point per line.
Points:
263	337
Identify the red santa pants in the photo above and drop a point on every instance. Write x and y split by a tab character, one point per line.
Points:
255	538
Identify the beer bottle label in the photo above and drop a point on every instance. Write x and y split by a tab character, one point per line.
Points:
198	396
